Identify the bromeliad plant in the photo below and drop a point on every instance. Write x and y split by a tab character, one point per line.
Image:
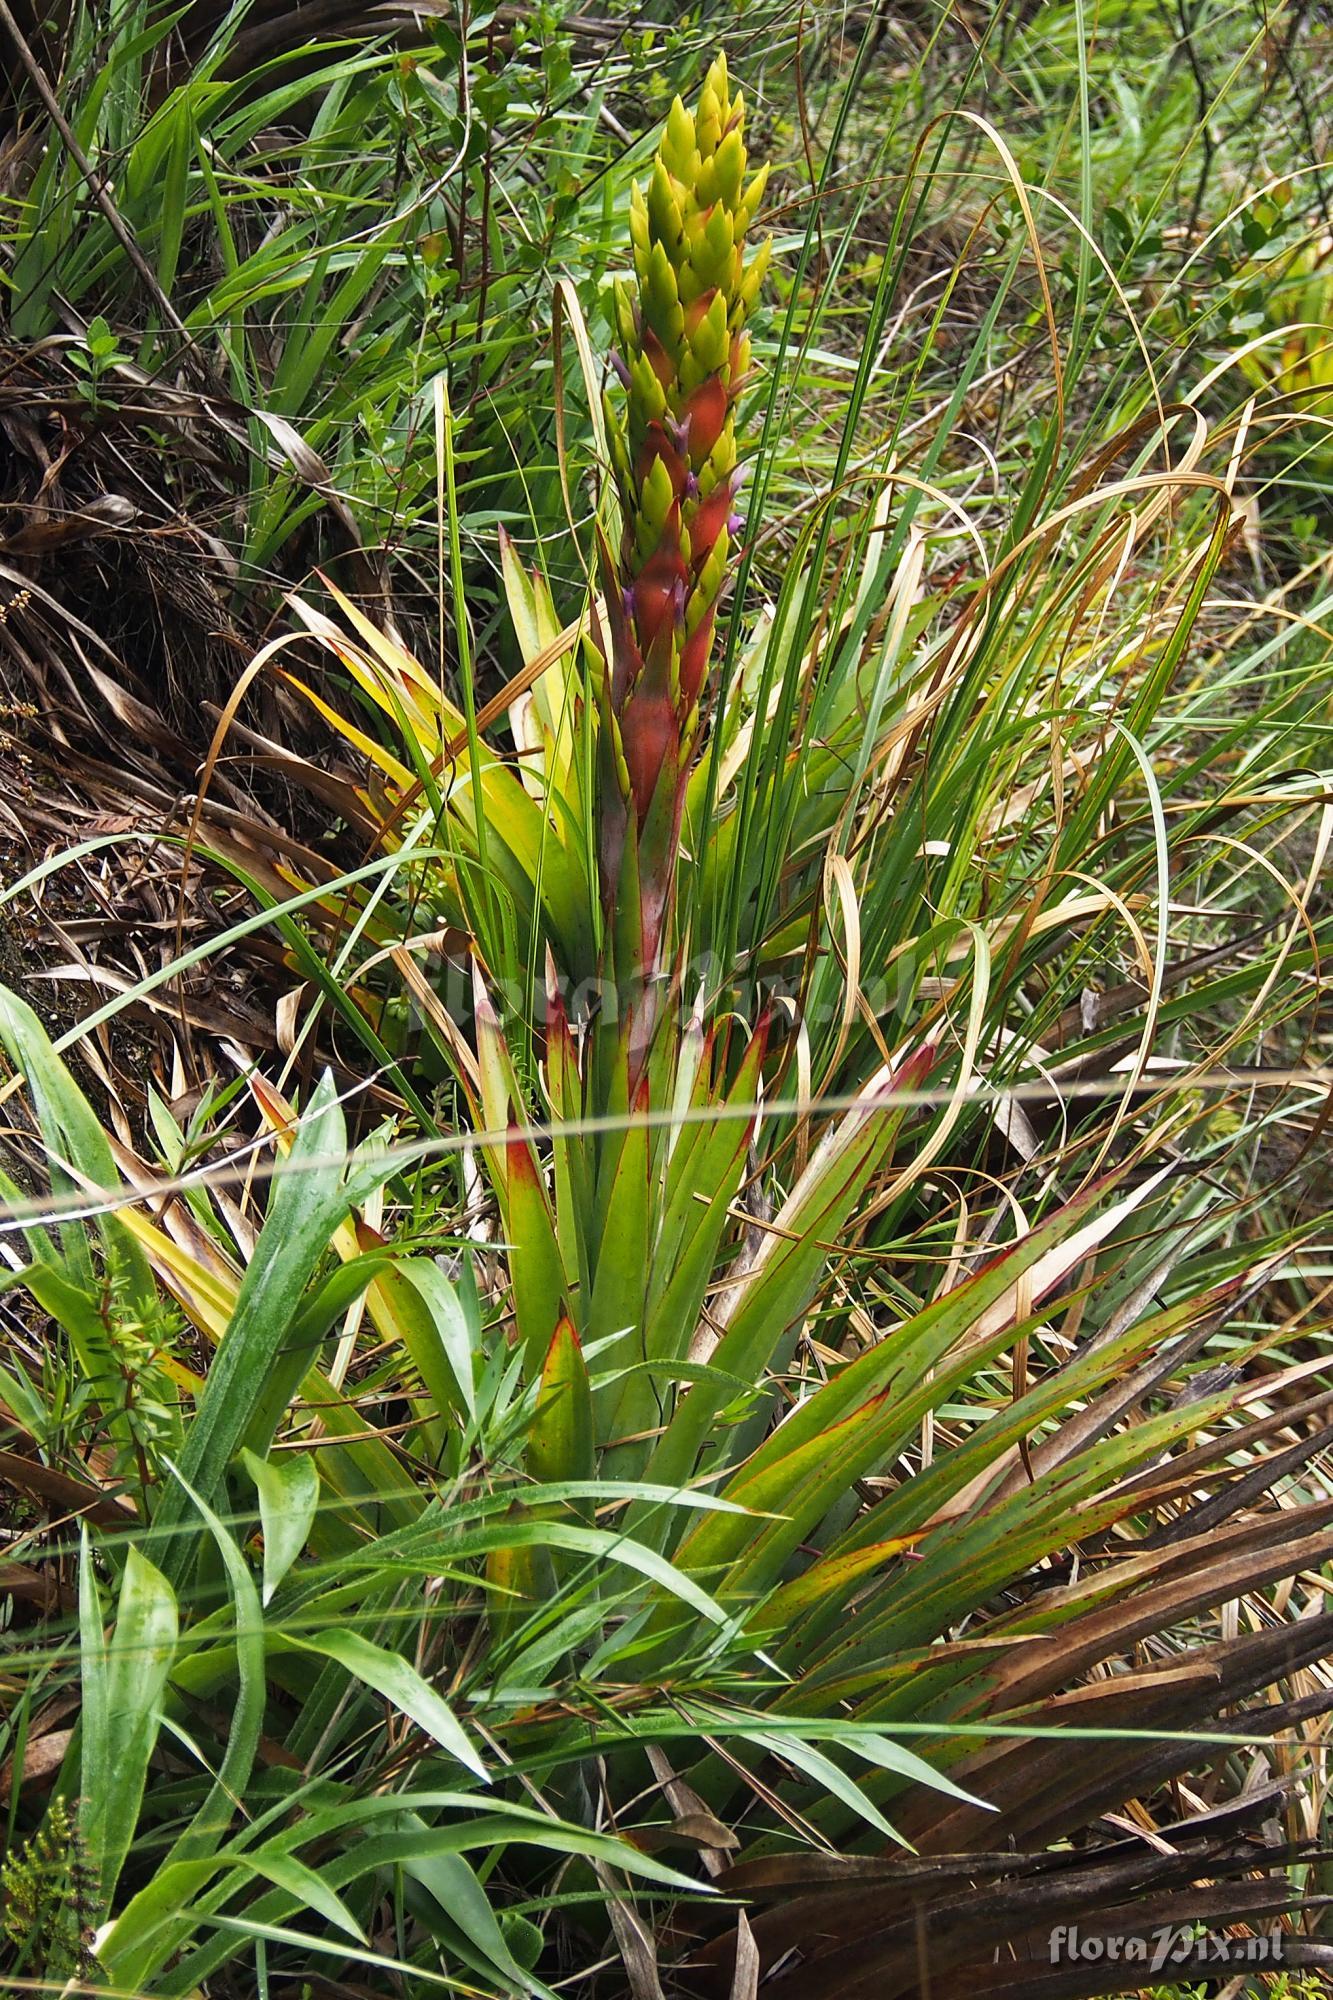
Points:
472	1542
678	1311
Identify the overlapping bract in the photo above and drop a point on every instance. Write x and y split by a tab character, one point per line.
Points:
684	357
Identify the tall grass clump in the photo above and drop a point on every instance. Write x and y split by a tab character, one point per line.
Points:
755	1421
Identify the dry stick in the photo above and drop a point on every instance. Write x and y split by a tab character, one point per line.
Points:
120	229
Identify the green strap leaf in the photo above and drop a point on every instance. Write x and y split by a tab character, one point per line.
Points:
535	1265
308	1203
391	1676
288	1489
435	1329
560	1443
144	1937
123	1682
284	1871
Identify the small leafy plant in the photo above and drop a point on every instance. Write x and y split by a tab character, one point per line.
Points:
95	360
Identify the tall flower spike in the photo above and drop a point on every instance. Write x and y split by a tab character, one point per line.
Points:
685	354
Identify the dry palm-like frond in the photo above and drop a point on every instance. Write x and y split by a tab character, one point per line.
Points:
992	1922
1110	1694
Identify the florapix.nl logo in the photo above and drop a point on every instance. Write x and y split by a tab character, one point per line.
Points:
1175	1947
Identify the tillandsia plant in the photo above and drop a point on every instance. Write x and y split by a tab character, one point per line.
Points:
709	1415
683	361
